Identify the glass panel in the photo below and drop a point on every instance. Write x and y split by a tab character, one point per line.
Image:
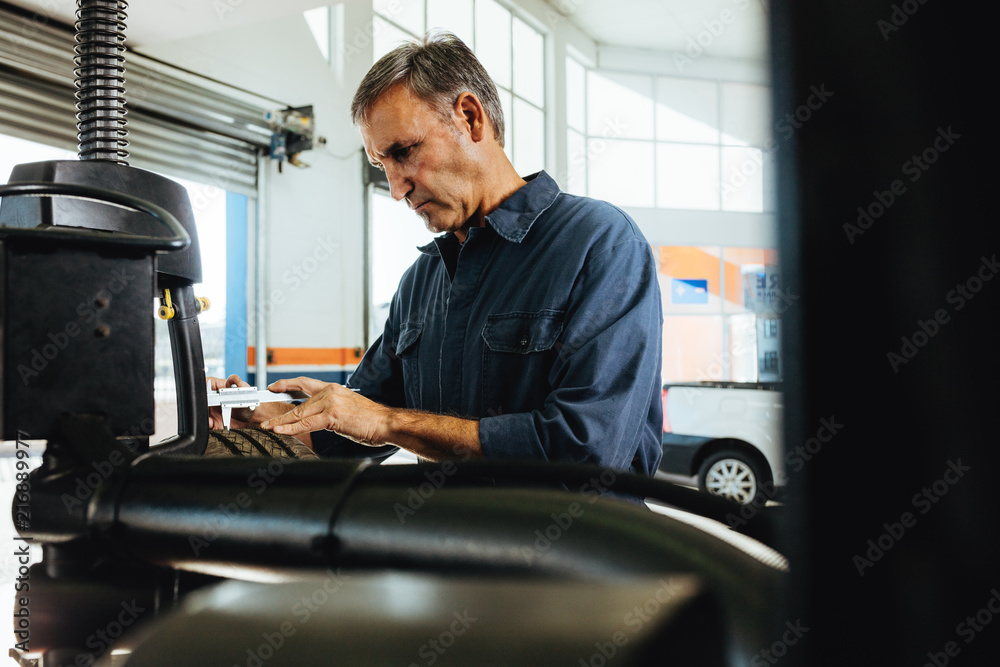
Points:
493	40
687	111
508	122
736	263
529	140
396	234
319	23
743	347
576	158
746	113
619	105
386	37
407	14
742	179
687	176
692	348
455	16
529	63
576	100
620	172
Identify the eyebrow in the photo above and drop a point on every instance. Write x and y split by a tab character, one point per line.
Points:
397	145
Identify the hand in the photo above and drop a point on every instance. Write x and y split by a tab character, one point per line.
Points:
332	407
242	417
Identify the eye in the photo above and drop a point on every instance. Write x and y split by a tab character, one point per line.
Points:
401	154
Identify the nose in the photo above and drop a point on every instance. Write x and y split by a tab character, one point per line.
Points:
399	183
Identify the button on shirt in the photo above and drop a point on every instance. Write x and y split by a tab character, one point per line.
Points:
545	325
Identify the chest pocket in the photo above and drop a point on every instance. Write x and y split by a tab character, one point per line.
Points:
519	352
407	349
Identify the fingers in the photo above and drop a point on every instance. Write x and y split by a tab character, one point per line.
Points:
308	385
309	416
231	381
214	413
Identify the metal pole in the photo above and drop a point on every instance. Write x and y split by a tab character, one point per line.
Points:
260	268
366	308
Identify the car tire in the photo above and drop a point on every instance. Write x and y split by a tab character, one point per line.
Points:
253	442
735	475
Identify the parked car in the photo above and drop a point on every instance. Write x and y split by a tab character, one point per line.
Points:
728	435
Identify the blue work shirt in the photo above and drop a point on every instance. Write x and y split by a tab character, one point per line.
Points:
545	325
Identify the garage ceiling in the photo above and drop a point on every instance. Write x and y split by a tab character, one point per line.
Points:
724	28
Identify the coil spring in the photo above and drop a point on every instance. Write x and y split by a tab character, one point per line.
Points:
100	80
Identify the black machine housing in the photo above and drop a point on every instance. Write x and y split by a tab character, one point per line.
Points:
79	278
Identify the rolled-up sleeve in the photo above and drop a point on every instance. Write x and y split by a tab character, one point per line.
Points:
606	376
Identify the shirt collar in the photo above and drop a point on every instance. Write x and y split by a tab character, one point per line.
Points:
515	216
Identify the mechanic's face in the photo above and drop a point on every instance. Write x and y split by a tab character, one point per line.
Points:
425	157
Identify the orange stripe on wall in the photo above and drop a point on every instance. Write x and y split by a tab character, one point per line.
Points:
321	356
692	262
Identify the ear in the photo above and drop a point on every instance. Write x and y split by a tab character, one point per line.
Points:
469	112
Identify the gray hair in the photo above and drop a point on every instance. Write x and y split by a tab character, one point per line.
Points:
437	70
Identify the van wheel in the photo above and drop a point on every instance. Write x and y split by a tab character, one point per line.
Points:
732	474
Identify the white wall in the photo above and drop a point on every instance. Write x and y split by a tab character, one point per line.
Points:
314	248
315	275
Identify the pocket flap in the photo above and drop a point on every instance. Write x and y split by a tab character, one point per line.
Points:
521	332
408	337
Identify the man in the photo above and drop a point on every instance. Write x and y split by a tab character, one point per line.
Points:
531	329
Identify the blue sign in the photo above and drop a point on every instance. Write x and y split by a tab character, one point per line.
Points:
688	291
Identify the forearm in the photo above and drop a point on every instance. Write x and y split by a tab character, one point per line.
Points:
333	407
432	436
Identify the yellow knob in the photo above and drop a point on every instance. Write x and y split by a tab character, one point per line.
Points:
166	311
203	304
